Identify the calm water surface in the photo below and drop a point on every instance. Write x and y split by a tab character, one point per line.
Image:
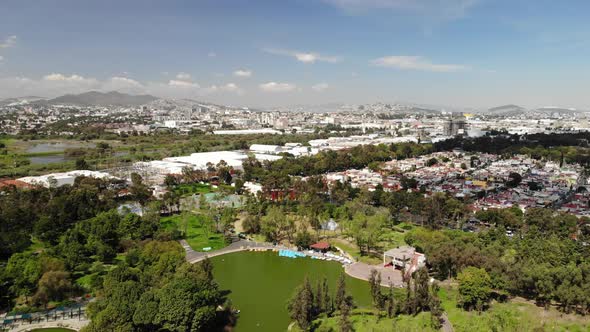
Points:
262	282
57	147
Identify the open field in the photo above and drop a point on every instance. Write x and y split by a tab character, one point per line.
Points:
390	238
514	315
196	234
367	321
193	188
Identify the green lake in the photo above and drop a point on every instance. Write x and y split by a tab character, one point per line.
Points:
262	282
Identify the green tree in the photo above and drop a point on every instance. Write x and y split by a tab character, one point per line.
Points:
301	305
318	297
328	309
421	289
53	286
474	288
138	189
146	311
23	270
390	303
375	288
82	164
340	291
276	226
436	310
251	224
345	309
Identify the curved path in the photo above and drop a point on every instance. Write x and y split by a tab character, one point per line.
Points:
193	256
447	326
73	324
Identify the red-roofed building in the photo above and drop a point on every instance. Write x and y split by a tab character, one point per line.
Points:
322	246
5	184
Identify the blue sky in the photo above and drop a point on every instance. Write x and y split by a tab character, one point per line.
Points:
476	53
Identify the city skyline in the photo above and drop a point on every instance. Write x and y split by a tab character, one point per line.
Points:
471	53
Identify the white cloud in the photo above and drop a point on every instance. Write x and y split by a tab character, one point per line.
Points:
183	77
415	63
277	87
320	87
446	9
212	54
183	80
229	87
8	42
183	84
125	81
305	57
1	58
56	84
48	86
243	73
123	84
72	84
65	78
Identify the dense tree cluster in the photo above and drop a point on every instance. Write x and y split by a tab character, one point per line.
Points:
306	305
48	213
52	236
570	147
540	261
420	295
155	289
276	174
82	249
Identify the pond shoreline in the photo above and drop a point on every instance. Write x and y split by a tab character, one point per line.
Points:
353	269
260	284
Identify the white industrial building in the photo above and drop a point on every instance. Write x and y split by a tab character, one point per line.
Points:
269	157
264	148
247	131
163	167
201	159
61	179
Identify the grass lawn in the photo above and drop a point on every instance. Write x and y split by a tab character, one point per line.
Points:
367	321
513	316
354	251
36	246
510	316
387	240
193	188
196	237
391	239
85	281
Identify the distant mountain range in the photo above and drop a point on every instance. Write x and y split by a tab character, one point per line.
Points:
95	98
514	110
21	100
506	110
561	110
114	98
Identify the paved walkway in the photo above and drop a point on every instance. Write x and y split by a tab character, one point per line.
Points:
193	256
447	326
74	324
363	271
